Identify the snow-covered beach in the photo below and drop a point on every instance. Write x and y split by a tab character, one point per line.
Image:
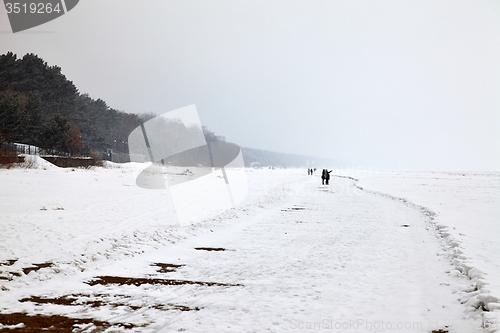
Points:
374	251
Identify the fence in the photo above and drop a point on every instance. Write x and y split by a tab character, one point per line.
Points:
20	148
54	151
62	157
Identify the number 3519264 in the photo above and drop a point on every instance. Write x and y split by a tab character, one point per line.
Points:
33	8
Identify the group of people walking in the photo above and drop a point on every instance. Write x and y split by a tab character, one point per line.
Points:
325	175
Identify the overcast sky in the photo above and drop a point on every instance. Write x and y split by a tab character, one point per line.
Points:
388	84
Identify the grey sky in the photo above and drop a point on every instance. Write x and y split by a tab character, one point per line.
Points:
391	84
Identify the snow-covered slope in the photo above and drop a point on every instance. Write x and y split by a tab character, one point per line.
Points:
294	256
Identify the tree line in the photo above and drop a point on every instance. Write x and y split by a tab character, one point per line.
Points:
40	106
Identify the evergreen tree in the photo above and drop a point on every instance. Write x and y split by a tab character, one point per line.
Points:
57	133
40	106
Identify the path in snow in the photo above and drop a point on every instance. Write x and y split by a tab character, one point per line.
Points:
331	258
466	211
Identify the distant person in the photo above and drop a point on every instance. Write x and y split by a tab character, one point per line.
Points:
312	172
323	176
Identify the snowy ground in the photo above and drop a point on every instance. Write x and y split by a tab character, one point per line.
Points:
294	256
